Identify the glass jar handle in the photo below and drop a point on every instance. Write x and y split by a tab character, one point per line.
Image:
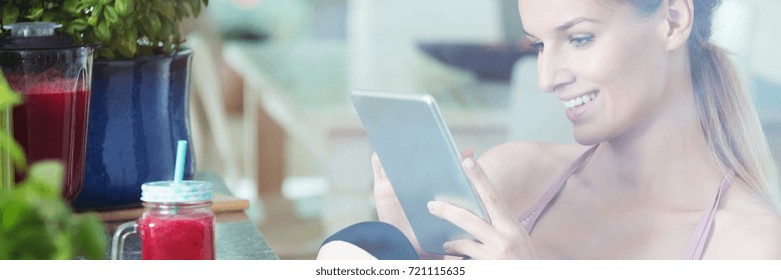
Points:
118	242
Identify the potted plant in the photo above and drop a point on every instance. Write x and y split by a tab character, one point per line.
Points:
140	87
35	221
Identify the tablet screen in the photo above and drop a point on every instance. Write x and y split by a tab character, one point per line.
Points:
420	159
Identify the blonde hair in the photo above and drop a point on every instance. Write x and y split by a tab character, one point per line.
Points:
727	114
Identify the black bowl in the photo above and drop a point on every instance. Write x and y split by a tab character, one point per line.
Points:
490	62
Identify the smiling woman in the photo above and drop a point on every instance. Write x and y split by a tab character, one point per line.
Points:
672	161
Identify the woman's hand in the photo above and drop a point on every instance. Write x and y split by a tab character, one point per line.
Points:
503	238
388	205
389	208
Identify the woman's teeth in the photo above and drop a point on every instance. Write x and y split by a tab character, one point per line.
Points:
580	100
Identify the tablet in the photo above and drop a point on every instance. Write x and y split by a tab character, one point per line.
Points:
420	160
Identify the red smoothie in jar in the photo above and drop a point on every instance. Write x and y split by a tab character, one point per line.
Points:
180	236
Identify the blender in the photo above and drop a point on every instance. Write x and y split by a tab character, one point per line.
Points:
53	73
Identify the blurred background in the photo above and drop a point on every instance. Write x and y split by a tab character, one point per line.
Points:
271	79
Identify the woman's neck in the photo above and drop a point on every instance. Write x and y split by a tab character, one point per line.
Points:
664	159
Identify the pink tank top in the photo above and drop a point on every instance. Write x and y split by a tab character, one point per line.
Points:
701	234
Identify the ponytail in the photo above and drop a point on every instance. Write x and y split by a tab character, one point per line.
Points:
727	113
730	121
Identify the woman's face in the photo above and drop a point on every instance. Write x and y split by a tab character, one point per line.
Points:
604	61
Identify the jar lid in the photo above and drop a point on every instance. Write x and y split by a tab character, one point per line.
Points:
34	36
176	192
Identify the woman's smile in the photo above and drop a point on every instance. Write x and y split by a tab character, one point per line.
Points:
577	106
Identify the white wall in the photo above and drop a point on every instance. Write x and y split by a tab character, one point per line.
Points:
749	29
766	49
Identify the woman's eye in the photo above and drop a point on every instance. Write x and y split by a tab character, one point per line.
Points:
581	41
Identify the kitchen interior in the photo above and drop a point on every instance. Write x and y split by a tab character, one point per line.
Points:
285	68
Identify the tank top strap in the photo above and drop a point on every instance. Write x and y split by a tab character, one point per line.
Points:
529	218
703	231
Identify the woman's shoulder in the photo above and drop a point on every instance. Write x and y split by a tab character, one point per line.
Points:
746	229
524	170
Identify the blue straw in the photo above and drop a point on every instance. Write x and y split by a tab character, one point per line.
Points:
180	156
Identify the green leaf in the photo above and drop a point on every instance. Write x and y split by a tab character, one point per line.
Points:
166	8
79	24
106	53
92	21
71	7
9	146
95	16
99	21
82	5
64	245
49	16
145	27
110	15
91	233
166	31
34	13
103	32
119	27
124	7
155	24
128	45
10	13
48	173
8	98
181	12
13	213
196	6
31	240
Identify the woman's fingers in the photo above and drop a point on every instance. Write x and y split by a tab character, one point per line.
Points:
490	242
501	238
462	218
497	209
467	153
467	247
382	187
379	173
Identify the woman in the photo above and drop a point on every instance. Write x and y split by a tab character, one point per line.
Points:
675	164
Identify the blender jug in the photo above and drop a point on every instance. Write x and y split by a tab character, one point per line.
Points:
54	76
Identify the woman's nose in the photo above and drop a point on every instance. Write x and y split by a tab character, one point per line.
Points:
552	72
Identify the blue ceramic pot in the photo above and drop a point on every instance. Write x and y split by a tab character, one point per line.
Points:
138	112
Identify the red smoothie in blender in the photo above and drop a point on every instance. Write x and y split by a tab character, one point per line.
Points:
53	74
51	123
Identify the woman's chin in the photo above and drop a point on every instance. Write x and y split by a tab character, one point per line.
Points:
588	138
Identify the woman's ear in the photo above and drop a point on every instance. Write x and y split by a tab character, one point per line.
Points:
678	22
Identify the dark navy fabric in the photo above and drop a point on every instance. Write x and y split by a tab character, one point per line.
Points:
381	240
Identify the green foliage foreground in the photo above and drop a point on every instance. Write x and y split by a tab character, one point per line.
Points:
35	221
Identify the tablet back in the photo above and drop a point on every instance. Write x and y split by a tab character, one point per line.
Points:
420	159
